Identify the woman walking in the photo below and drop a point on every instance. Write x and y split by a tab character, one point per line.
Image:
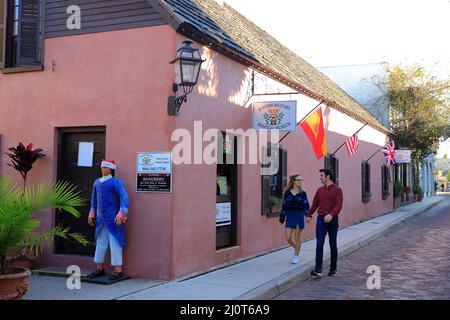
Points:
295	206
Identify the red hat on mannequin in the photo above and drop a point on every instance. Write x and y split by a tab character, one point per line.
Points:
108	164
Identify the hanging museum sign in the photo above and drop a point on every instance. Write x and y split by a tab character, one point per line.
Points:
276	115
402	156
154	172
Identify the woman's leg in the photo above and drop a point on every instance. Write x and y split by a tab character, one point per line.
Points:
298	240
288	232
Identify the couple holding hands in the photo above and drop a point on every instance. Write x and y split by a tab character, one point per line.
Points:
328	201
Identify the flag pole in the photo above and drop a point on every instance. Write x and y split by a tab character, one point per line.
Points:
351	136
303	119
378	151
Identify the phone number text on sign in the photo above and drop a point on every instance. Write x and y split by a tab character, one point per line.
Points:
154	172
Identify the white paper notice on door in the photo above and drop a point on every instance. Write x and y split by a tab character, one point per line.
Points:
85	154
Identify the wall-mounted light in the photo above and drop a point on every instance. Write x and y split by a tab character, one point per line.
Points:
187	69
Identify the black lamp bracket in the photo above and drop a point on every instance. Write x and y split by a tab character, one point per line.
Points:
174	105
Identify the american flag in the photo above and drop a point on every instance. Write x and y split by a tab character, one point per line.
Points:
351	143
389	153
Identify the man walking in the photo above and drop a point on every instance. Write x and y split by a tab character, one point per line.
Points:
328	200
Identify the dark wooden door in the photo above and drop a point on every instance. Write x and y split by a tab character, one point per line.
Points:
226	234
83	178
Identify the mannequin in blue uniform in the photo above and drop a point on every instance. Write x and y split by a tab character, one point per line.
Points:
109	208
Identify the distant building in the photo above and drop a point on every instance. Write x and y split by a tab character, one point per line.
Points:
442	171
427	176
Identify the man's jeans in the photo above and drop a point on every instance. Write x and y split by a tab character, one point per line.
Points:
322	229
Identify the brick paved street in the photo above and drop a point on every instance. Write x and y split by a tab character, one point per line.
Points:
414	260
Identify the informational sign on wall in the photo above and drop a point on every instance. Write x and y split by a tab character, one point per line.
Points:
402	156
154	172
276	115
223	214
85	154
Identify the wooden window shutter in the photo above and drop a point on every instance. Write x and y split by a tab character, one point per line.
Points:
2	32
331	162
265	201
28	50
363	180
284	174
326	162
386	179
336	170
265	187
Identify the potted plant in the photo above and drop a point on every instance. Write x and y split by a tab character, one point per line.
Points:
366	196
19	224
385	195
275	203
406	191
418	192
23	259
22	160
398	193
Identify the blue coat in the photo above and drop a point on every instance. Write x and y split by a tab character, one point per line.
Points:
108	198
294	209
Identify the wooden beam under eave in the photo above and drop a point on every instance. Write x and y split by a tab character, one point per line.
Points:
166	11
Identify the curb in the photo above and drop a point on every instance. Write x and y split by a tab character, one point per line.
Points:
281	284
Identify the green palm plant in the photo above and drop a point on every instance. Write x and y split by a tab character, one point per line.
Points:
18	221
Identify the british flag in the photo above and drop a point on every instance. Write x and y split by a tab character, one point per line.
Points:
389	153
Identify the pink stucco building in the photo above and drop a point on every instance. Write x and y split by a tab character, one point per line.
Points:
108	83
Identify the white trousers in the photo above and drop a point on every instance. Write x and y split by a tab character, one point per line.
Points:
105	238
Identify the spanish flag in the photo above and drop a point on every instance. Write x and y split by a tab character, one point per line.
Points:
314	129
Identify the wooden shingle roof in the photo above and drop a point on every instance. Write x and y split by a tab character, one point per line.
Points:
227	31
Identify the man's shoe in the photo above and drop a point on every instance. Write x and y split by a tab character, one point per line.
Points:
332	273
295	259
316	273
96	274
115	276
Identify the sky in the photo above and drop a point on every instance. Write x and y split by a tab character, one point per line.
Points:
348	32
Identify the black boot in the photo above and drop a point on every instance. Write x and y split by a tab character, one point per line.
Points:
96	274
115	276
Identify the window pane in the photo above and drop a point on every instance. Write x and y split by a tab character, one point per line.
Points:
188	72
16	28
